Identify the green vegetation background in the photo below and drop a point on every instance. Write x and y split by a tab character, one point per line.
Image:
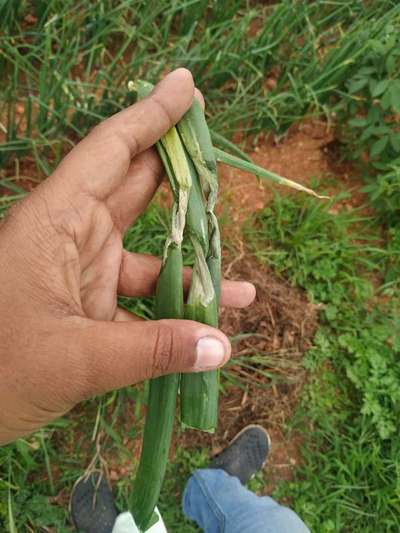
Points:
64	65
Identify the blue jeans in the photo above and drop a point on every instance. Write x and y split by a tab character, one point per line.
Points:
219	503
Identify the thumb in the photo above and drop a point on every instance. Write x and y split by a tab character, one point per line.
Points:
117	354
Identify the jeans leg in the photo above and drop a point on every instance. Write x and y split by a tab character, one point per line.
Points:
219	503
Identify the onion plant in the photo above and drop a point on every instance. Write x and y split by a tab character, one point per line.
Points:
190	162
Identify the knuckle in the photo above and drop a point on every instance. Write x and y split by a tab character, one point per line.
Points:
128	140
105	133
101	135
85	383
164	350
83	387
75	358
101	130
162	108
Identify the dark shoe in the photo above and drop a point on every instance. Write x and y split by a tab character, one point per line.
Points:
92	505
246	454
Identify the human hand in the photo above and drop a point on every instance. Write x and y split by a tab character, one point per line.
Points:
62	264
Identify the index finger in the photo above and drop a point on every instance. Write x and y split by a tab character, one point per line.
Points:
98	164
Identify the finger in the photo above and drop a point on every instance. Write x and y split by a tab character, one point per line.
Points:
139	274
99	163
199	96
116	354
132	197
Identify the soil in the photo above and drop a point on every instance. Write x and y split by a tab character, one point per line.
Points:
281	322
278	328
307	153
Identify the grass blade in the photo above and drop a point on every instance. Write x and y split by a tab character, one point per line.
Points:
260	172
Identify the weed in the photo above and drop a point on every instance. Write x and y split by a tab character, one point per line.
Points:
315	249
351	406
368	115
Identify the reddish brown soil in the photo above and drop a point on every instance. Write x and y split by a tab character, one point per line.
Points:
308	152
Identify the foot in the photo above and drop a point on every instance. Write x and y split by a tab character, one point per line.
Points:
246	454
92	505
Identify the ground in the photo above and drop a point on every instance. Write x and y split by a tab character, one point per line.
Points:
281	322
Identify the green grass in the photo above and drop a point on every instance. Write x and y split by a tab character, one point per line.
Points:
349	478
71	68
178	473
64	73
350	410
